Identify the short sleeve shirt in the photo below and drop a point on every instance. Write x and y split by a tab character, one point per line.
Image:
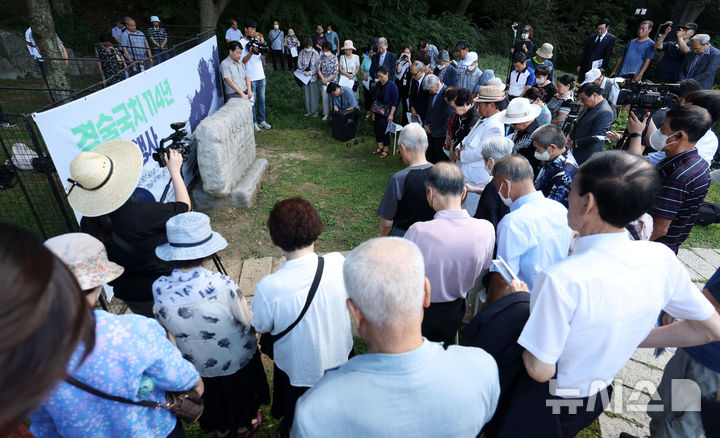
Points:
635	54
685	182
236	72
158	34
233	34
517	81
394	192
135	43
254	66
669	65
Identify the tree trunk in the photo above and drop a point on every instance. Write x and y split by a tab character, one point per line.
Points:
576	12
62	8
43	30
210	11
687	11
462	9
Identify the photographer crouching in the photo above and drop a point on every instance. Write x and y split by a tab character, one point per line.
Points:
101	187
253	51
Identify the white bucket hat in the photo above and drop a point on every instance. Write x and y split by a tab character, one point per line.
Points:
22	156
102	180
519	110
86	258
190	237
545	50
591	75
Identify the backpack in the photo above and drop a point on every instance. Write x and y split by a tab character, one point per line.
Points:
708	213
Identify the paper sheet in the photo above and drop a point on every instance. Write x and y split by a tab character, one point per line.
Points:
597	63
393	128
293	52
301	75
366	84
346	82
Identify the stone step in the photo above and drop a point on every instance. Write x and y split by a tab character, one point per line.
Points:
696	263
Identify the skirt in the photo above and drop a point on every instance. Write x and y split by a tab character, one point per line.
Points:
233	401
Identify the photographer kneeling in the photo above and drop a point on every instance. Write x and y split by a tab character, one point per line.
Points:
102	184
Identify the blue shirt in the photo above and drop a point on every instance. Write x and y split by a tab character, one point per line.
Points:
533	236
126	348
333	38
556	176
427	392
635	54
708	355
346	99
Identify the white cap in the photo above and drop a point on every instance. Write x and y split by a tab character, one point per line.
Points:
591	75
470	58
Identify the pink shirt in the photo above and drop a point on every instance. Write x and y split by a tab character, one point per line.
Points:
456	248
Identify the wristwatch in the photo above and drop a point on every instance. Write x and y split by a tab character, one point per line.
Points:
635	134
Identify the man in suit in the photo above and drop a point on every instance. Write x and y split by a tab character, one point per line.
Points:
418	95
598	48
702	62
436	118
382	57
588	135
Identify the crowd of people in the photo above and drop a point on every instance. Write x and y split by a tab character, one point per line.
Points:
559	256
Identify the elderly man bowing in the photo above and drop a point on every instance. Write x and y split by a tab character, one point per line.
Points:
456	248
405	385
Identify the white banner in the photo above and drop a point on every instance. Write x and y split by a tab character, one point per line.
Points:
140	109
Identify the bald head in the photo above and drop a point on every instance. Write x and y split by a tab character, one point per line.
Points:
390	293
446	178
515	168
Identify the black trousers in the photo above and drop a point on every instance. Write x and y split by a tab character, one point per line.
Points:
291	62
276	56
285	397
178	432
367	98
435	151
442	320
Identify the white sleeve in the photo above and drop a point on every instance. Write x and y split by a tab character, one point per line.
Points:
262	318
547	329
686	301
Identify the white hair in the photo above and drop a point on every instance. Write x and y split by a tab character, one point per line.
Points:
419	66
382	40
385	278
413	137
430	82
701	38
497	148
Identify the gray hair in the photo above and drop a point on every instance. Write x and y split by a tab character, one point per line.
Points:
443	56
419	66
546	135
413	137
515	168
701	38
497	148
393	290
446	178
430	82
382	40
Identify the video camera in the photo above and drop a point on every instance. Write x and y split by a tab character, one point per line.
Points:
644	97
572	116
179	141
257	47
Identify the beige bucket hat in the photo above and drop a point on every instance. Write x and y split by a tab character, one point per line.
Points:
103	179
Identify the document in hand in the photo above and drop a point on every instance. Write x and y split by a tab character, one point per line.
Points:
302	77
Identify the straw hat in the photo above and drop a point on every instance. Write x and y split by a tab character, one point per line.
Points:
22	156
490	93
348	45
86	258
519	110
102	180
545	51
189	237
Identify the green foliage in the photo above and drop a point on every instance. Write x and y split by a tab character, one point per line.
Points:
76	35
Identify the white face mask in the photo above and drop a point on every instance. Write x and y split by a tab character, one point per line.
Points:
540	81
525	35
507	201
545	156
276	27
308	50
327	53
658	140
441	67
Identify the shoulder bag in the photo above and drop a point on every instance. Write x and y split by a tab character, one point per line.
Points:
377	107
267	340
186	405
355	83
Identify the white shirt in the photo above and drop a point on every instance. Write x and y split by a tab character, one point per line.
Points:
589	313
533	236
614	90
34	52
254	66
349	64
706	147
518	81
322	339
233	34
471	159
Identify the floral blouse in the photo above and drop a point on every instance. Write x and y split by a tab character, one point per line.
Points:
209	318
329	68
310	62
127	347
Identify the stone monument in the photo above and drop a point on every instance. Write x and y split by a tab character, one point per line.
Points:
226	158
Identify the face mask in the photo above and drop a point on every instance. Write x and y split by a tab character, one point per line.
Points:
507	201
327	53
525	35
276	27
540	81
308	50
442	67
545	156
658	140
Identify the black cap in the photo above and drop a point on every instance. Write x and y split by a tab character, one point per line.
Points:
691	26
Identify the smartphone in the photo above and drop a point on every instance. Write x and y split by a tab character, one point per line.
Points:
499	265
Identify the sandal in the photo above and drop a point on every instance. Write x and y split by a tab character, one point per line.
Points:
384	153
258	421
378	151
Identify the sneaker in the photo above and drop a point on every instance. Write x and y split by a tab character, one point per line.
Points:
7	125
257	128
265	125
307	114
367	116
325	117
314	114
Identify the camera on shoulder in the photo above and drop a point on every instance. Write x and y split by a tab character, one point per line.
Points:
178	141
646	97
257	47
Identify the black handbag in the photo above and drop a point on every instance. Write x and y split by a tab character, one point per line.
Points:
267	340
186	405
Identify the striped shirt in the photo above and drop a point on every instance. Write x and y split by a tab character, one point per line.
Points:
158	34
686	179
